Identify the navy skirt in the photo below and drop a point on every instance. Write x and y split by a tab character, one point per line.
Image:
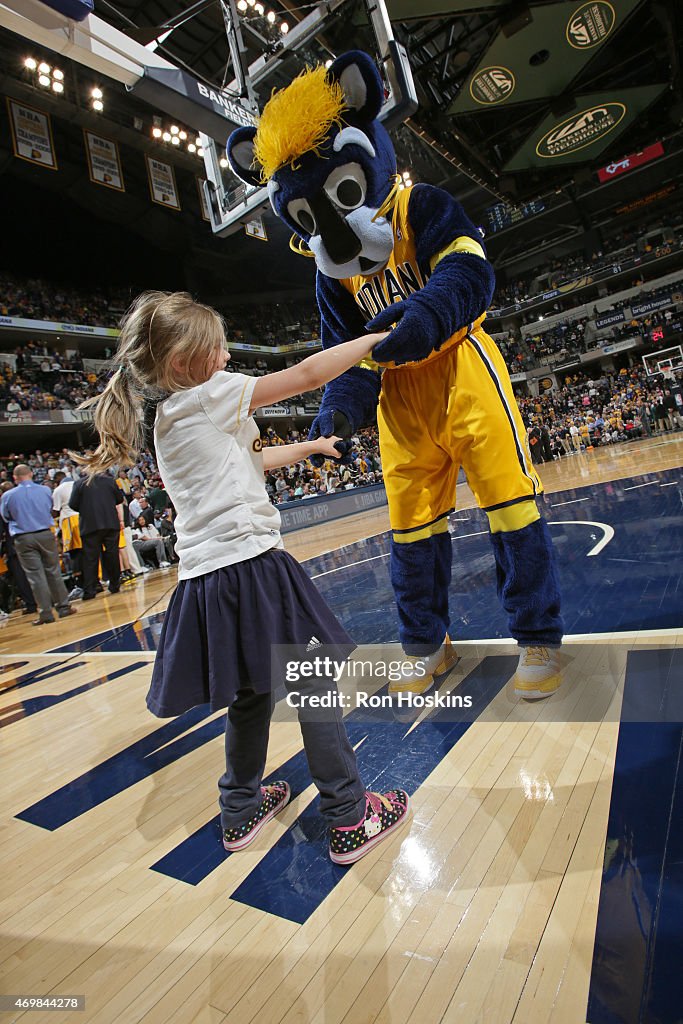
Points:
220	628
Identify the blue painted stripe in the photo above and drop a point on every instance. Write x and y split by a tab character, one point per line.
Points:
123	770
31	706
296	874
39	675
636	975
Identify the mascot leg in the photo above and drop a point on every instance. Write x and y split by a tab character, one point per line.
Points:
421	576
500	471
420	478
528	590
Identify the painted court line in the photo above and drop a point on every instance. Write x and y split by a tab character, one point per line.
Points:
572	502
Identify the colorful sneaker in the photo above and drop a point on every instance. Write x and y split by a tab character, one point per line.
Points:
539	672
418	673
383	814
275	797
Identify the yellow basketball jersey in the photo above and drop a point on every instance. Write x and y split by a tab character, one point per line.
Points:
402	275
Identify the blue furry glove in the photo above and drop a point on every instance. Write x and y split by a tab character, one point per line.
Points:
456	294
330	422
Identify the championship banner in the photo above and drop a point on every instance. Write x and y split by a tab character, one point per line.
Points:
104	164
202	200
256	229
609	318
162	183
31	135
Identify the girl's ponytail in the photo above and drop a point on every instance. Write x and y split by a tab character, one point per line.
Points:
163	335
119	422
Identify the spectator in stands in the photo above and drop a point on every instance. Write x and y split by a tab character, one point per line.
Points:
147	541
27	508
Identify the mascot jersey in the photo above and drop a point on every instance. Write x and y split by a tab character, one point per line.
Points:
411	262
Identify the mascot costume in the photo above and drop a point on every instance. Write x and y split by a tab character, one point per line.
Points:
410	258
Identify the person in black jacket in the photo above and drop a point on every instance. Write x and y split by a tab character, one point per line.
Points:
99	505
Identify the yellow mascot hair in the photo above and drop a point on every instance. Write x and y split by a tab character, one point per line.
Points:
296	120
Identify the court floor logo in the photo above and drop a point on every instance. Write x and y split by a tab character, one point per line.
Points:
492	85
581	130
591	24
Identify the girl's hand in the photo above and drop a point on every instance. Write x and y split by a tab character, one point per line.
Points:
325	446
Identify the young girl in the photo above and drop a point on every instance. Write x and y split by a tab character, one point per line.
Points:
239	592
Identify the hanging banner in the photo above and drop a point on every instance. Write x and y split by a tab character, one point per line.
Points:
255	228
104	164
162	183
31	135
598	120
202	200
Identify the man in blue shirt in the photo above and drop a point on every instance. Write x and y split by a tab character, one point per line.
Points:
27	509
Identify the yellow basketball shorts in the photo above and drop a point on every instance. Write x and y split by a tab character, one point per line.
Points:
71	534
457	409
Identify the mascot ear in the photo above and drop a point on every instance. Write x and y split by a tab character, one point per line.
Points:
240	153
362	84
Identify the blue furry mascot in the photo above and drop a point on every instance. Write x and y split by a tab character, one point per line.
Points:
410	259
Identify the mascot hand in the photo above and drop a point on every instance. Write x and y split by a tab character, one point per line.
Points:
327	423
413	337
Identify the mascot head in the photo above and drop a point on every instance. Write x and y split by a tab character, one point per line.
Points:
328	163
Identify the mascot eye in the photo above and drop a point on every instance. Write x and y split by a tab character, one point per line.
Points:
346	186
300	211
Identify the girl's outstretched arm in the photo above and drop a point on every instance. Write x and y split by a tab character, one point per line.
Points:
287	454
313	372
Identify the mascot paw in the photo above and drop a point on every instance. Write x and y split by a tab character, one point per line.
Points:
415	337
327	423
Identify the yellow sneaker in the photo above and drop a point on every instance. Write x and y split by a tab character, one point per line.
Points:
418	673
539	672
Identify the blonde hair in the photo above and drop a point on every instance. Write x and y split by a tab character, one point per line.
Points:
167	343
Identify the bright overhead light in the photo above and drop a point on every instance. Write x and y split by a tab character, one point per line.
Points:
44	80
96	93
197	141
191	148
409	182
259	8
182	136
328	63
97	105
200	151
44	68
406	174
270	16
284	27
59	75
223	162
174	129
58	86
30	64
241	6
251	2
175	141
166	136
156	132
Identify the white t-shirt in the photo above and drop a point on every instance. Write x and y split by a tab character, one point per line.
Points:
60	499
209	457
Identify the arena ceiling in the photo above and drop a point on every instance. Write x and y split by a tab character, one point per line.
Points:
496	83
494	78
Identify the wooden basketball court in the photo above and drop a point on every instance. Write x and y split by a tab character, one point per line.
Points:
483	909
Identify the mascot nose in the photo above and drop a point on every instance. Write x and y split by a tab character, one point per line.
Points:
340	240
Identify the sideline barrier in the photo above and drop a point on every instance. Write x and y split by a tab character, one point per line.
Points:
313	511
